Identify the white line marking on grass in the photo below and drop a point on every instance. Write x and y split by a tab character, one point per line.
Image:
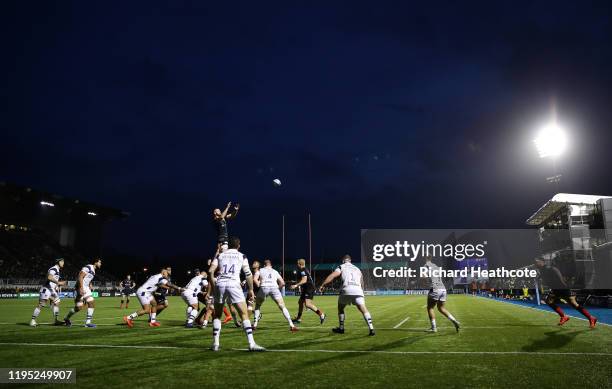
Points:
91	345
543	310
313	351
433	352
401	322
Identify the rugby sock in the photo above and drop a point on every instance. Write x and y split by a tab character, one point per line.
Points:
205	323
226	312
189	309
287	316
70	313
256	318
433	323
55	311
557	309
368	319
192	316
341	321
35	313
318	312
152	316
248	330
133	316
90	312
216	331
586	313
452	318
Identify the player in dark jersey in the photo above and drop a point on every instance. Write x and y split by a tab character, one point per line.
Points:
307	288
161	295
220	219
127	288
553	278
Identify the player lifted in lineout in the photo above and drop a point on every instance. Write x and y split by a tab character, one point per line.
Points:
49	293
351	293
226	287
307	287
127	288
220	219
84	294
552	277
147	301
437	297
270	283
190	296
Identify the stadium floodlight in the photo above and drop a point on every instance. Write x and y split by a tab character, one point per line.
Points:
47	204
551	141
90	213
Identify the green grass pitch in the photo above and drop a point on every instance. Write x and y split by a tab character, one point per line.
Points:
500	346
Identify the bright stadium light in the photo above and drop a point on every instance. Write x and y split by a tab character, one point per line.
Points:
551	141
47	204
90	213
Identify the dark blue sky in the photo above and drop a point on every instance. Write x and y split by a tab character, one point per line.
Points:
374	115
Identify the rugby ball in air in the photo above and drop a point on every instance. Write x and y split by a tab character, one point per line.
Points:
276	182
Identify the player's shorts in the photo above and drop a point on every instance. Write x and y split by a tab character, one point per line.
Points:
561	293
437	295
203	298
190	298
230	292
275	293
49	294
84	297
347	299
144	297
126	292
307	295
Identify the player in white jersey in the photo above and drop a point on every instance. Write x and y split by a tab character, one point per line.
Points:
437	296
145	296
351	293
190	294
49	293
83	293
270	282
226	287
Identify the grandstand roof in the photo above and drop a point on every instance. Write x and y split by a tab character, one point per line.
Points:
22	193
558	201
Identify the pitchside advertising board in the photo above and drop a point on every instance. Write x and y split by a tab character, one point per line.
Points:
68	294
557	259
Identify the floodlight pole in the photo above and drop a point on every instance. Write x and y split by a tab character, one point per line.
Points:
283	248
309	245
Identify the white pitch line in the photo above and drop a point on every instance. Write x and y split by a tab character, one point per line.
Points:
314	351
434	352
90	345
401	322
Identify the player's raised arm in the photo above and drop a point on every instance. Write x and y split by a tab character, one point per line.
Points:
224	213
333	275
234	212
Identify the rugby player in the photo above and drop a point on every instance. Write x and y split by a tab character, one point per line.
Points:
191	298
83	293
220	220
147	301
553	278
437	297
350	293
307	287
49	293
270	283
226	287
127	288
